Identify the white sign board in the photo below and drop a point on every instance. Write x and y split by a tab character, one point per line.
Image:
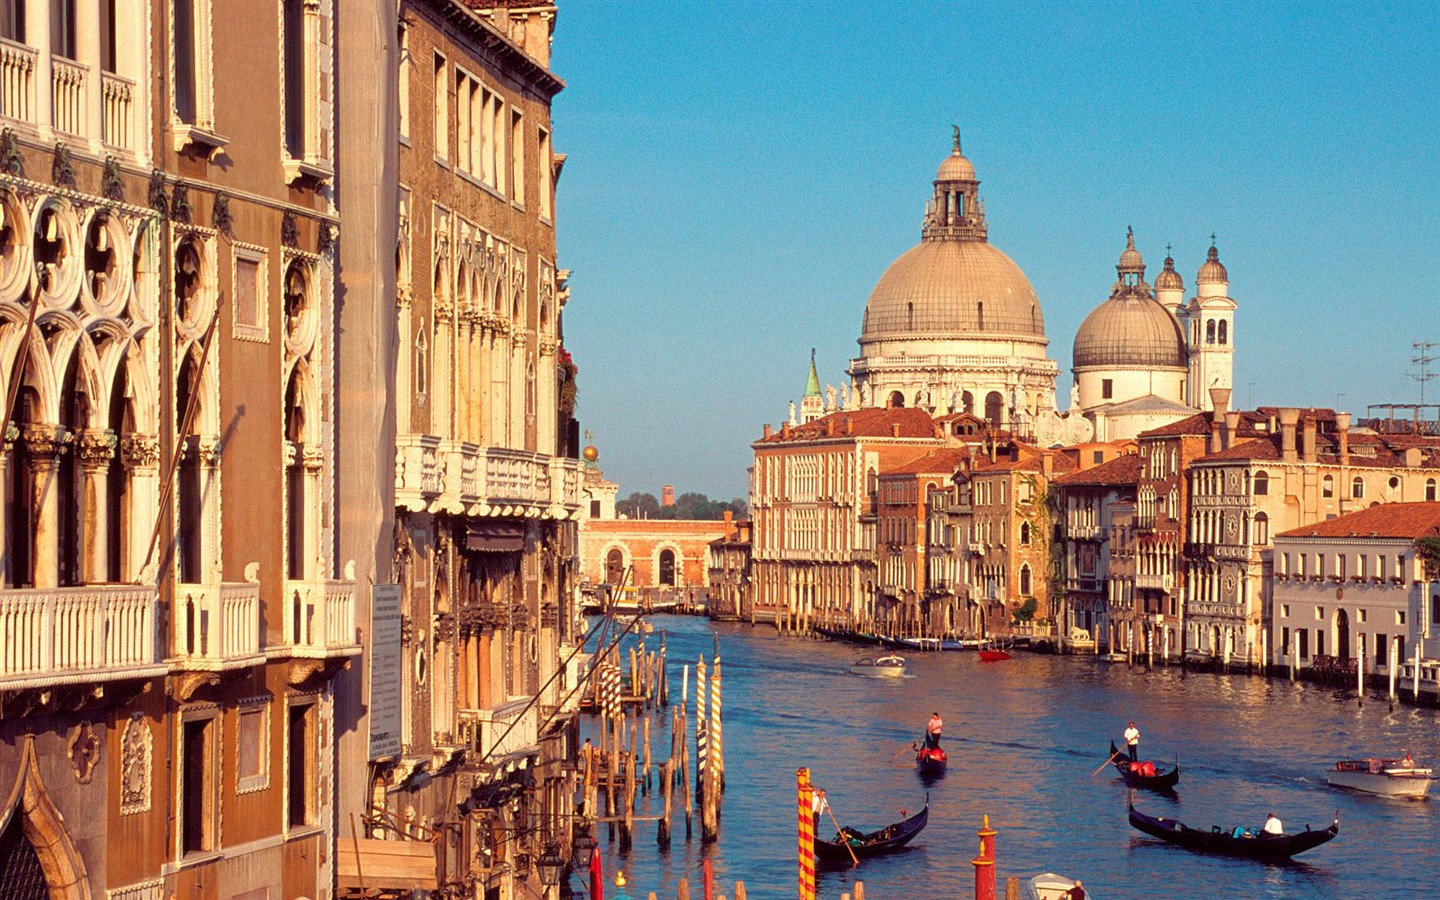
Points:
385	671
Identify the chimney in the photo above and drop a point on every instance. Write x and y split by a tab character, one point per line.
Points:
830	427
785	431
1219	401
849	425
1289	415
1342	425
895	429
1232	426
1307	439
1047	465
765	432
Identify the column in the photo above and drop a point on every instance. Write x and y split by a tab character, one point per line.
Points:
312	458
37	35
141	456
87	38
93	451
44	444
209	449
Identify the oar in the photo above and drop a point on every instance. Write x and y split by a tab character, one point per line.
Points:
855	860
911	748
1113	754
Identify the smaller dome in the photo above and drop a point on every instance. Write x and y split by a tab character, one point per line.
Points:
1212	272
1130	330
1130	260
1169	279
955	168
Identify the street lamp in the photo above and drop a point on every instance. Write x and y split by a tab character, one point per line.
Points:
551	866
581	849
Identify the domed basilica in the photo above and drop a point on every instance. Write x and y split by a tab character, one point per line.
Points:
954	326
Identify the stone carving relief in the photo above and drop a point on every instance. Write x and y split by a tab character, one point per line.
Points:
135	750
84	751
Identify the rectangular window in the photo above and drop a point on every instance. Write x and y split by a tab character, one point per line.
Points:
197	787
1435	609
402	84
300	772
1362	616
293	48
1380	566
183	27
1285	610
442	112
497	125
249	292
464	122
1285	640
62	29
1319	642
12	21
252	745
107	35
594	509
517	157
547	178
1107	388
1304	635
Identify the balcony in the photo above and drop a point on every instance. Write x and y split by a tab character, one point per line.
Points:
491	735
1154	582
1084	532
320	619
17	81
460	478
57	636
217	627
68	94
117	106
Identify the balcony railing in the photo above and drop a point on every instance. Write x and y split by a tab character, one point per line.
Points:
320	618
68	98
52	636
1083	532
118	98
492	734
1154	582
17	81
216	626
457	477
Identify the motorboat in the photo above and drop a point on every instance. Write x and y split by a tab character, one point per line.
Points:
1143	774
1245	842
994	651
1050	886
1386	777
891	666
851	844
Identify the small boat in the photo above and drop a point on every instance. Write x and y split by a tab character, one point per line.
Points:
888	839
1235	842
1050	886
922	643
881	667
1386	777
992	651
930	760
1143	774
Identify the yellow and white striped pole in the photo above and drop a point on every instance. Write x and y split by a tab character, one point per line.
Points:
807	835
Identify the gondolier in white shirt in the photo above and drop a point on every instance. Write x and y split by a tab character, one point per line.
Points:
1132	742
932	731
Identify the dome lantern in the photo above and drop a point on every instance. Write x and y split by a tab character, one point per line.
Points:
1211	271
955	212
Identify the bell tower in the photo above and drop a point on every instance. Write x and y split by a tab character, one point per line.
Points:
1211	319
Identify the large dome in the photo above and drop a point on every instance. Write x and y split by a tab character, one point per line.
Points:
1130	329
952	289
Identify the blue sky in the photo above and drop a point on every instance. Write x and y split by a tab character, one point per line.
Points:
740	175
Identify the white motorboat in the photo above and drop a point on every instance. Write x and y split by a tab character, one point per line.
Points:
1056	887
881	667
1386	777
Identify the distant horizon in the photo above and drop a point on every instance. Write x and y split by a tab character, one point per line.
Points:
737	185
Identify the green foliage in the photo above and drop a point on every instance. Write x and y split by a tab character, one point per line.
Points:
687	506
1025	612
1428	549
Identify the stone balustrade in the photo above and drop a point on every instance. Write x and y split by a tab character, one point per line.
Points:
320	618
493	734
17	81
54	636
458	477
68	99
117	106
216	626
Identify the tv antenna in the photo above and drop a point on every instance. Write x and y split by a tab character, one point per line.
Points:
1422	355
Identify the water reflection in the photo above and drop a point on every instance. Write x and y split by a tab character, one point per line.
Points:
1023	737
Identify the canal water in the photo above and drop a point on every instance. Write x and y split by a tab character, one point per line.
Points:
1024	737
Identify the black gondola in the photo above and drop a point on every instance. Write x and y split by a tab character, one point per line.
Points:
888	839
1162	780
1263	846
930	760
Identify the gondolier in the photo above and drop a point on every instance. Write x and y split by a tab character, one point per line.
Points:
1132	742
933	729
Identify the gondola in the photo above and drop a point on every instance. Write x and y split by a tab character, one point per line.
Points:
1216	840
1162	780
930	760
886	840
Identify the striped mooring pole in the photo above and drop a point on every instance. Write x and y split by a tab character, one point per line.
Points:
807	835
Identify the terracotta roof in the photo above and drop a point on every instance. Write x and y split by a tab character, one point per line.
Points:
1367	450
941	462
1120	470
1200	424
1388	520
873	423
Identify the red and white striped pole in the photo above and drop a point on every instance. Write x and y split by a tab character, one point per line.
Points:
807	835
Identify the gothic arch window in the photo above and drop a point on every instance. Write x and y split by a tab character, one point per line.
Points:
1224	332
1210	331
1025	580
1357	488
1025	532
422	363
667	568
189	481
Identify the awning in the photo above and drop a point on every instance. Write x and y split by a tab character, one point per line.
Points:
387	867
495	537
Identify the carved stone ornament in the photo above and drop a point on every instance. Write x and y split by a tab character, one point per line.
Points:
444	628
84	751
443	312
220	215
140	451
155	196
325	242
12	163
289	230
111	187
209	450
44	441
180	209
62	169
312	458
95	449
135	748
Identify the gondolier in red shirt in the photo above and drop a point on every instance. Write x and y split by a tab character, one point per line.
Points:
1132	741
932	731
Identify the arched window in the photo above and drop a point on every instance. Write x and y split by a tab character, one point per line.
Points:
667	568
1262	484
1210	331
614	566
1024	532
1262	528
1430	490
1327	486
1357	488
994	408
1025	580
1224	331
967	402
897	400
